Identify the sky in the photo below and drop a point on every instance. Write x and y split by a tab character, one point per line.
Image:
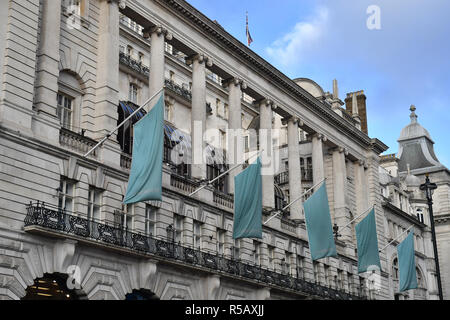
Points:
403	59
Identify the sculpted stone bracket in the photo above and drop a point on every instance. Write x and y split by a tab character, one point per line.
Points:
200	58
159	30
234	81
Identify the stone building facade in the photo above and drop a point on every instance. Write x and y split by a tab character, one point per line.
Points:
71	70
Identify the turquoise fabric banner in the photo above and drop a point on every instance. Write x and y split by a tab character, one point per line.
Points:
407	263
248	203
318	225
145	182
367	242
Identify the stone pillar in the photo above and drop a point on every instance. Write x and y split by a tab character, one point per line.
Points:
317	158
355	111
198	115
341	214
157	34
47	72
361	190
235	140
295	177
107	69
265	144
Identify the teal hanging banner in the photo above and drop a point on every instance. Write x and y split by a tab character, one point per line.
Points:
248	203
407	263
145	182
318	225
367	242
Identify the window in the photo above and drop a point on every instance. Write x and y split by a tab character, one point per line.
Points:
246	144
326	270
420	283
286	264
340	279
73	6
65	195
221	241
271	254
171	76
235	254
197	235
130	51
178	224
316	271
94	204
225	111
212	172
218	111
141	57
133	93
65	110
150	220
126	218
420	215
395	269
299	267
256	252
349	282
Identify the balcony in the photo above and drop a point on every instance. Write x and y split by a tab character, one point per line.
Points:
43	219
76	142
125	161
183	183
179	90
283	177
223	199
136	66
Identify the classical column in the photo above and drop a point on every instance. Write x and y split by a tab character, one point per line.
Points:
341	214
295	178
235	138
157	34
361	190
47	72
317	158
266	144
107	98
198	115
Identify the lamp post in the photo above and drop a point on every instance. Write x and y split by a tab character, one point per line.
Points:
429	187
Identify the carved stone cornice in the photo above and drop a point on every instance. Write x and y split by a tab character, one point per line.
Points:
247	56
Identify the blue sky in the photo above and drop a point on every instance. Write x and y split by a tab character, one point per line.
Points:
405	62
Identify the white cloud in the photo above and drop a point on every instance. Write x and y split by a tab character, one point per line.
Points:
291	48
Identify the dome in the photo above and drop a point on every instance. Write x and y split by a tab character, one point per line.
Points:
414	129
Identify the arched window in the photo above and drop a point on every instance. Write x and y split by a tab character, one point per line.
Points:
280	201
420	282
69	101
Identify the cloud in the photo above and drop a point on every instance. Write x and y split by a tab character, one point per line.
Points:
305	36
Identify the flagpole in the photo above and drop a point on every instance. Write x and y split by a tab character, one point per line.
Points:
279	211
124	121
358	217
396	238
223	174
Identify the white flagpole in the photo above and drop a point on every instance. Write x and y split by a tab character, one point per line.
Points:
124	121
357	217
293	201
396	238
223	174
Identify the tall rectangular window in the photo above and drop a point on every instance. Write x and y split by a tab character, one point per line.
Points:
94	203
65	196
150	220
271	254
286	266
178	225
197	235
65	110
256	252
133	93
126	220
221	242
316	272
299	266
236	249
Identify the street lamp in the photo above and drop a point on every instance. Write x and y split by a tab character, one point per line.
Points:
429	187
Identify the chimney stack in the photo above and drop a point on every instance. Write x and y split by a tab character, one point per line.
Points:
358	109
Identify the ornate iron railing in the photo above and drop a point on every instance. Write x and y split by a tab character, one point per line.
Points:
133	64
179	90
57	220
283	177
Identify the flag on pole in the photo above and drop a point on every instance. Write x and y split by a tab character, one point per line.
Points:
367	243
249	37
248	203
407	263
318	225
145	182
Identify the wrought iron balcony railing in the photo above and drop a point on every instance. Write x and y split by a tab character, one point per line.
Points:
133	64
283	177
179	90
54	220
